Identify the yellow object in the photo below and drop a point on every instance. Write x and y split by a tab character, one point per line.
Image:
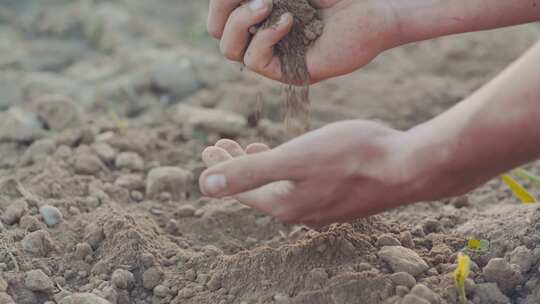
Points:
477	245
518	190
528	176
461	274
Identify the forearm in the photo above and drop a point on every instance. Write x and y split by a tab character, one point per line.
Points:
425	19
494	130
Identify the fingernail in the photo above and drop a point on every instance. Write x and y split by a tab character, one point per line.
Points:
256	5
215	184
283	19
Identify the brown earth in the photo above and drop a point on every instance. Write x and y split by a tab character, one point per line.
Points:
98	192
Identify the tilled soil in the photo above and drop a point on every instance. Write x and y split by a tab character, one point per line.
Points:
106	106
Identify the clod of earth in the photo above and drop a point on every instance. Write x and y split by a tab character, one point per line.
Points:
292	51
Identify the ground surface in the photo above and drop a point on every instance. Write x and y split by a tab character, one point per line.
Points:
139	90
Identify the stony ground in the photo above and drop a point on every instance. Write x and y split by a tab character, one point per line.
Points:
105	108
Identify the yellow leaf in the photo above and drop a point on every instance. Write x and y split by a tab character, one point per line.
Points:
461	274
518	190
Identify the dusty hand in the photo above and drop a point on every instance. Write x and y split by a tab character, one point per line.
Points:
355	32
340	172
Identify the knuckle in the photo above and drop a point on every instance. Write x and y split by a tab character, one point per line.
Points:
231	53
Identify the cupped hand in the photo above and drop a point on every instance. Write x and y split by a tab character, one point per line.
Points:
354	33
343	171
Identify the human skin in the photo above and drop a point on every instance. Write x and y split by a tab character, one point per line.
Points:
354	169
355	31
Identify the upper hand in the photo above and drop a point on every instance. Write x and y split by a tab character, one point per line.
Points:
354	33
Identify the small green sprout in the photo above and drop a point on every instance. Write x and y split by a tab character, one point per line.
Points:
461	274
477	245
518	190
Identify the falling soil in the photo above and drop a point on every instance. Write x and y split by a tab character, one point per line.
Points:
292	51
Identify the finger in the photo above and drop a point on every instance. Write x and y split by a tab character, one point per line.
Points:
218	14
236	33
256	148
259	56
214	155
245	173
270	198
231	146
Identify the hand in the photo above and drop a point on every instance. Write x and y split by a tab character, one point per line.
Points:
344	171
354	33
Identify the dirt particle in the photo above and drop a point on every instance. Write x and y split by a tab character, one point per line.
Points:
83	298
82	250
292	51
37	280
58	112
51	215
402	259
174	180
130	161
152	277
123	279
38	242
387	240
87	164
14	212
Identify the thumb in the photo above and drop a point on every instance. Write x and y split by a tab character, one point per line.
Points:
242	174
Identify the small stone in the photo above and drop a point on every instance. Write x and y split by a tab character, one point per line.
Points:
137	196
168	179
58	112
401	259
507	276
387	240
14	212
281	298
38	242
161	291
422	291
403	278
129	160
82	250
317	278
83	298
130	181
17	125
402	290
412	299
209	120
176	77
123	279
87	164
185	211
523	257
214	283
51	215
38	151
94	235
152	277
104	151
6	299
488	293
3	285
37	280
431	226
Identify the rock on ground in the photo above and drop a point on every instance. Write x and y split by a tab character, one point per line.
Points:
17	125
38	242
488	293
523	257
14	212
51	215
37	280
209	120
174	180
6	299
83	298
506	275
401	259
58	112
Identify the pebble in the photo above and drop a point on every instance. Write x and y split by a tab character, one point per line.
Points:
176	77
14	212
87	164
130	181
387	240
221	122
412	299
58	112
82	250
523	257
401	259
6	299
122	279
174	180
422	291
2	227
51	215
104	151
489	293
317	278
185	211
83	298
152	277
161	291
37	280
38	242
507	276
402	290
17	125
129	160
3	285
38	151
403	278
